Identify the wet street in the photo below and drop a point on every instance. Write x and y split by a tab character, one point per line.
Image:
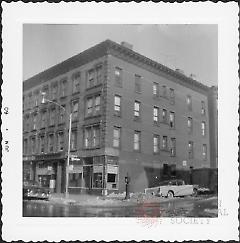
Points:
176	207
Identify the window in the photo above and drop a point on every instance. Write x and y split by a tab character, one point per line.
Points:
155	114
190	149
35	121
116	137
36	97
87	138
50	143
27	122
118	76
164	116
173	147
97	104
189	102
190	124
203	108
25	146
203	126
52	117
155	144
155	89
42	144
63	88
164	91
30	100
172	96
62	114
60	141
97	179
44	119
90	78
95	136
204	151
111	177
33	144
73	144
172	119
117	105
75	180
164	143
54	91
99	70
76	77
89	106
137	141
92	137
138	80
137	109
75	109
45	90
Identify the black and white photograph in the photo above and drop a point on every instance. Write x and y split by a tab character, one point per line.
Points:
120	124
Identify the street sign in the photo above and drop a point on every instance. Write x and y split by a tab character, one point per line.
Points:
75	159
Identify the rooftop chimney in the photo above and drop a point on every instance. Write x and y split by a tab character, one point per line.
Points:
127	45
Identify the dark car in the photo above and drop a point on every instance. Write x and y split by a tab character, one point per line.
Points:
33	190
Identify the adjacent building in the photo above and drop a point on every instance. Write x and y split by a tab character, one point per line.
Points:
130	116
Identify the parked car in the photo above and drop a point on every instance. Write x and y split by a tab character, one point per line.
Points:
33	190
173	188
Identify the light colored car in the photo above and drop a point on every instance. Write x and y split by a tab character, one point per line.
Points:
173	188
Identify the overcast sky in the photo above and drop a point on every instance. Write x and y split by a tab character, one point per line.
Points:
192	48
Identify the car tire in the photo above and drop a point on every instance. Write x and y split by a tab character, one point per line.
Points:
170	194
195	192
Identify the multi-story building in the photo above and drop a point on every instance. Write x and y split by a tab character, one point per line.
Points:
130	116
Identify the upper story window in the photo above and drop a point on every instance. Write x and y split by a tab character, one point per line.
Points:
60	141
155	144
172	96
155	114
95	136
97	104
138	81
99	74
137	109
137	141
203	108
164	116
76	78
116	137
92	137
89	106
52	117
33	144
30	101
54	91
44	119
155	89
204	151
189	102
190	124
63	88
25	146
45	90
164	91
203	126
50	143
93	105
165	143
190	149
118	76
42	144
73	144
75	109
173	147
117	105
35	121
62	114
172	119
36	98
90	80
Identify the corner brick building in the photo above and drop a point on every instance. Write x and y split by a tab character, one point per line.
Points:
130	116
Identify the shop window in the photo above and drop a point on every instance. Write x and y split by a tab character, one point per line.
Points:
172	119
155	114
112	178
76	78
138	81
117	105
118	77
97	180
137	141
137	105
75	179
155	89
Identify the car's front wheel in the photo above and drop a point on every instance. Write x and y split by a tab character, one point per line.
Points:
170	194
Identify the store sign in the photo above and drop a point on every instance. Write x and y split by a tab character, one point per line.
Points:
184	163
112	169
28	158
97	169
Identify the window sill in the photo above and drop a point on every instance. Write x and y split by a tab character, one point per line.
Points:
75	92
165	150
92	148
95	86
92	116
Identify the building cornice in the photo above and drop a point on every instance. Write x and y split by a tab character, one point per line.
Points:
109	47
